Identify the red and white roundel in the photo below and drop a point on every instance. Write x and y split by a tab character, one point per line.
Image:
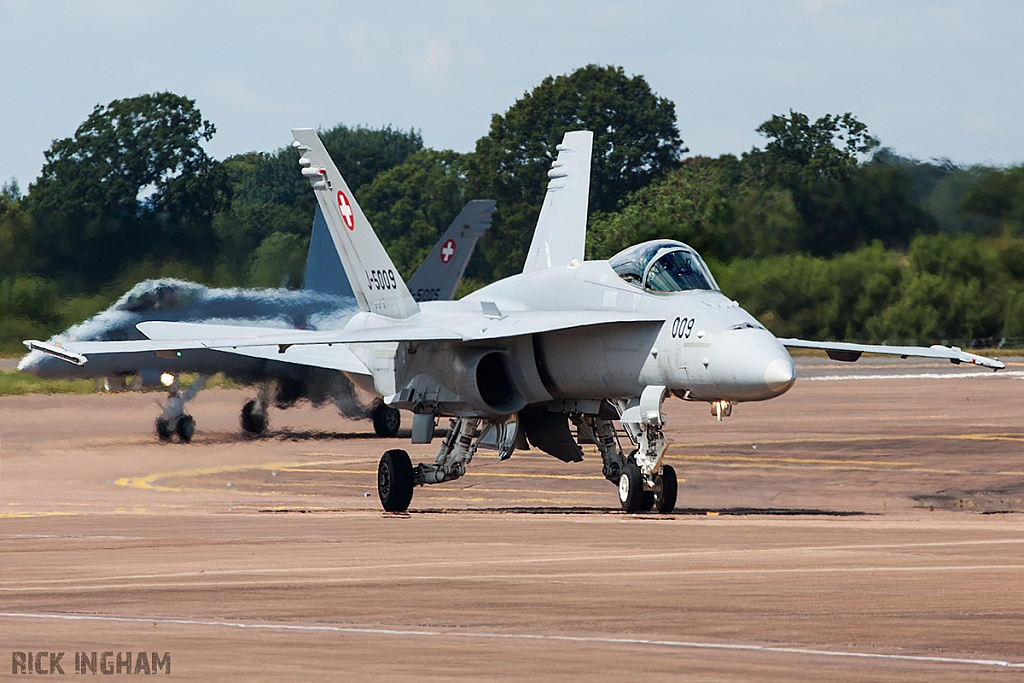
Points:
345	208
448	251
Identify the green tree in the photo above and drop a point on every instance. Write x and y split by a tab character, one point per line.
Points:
708	204
635	141
16	232
270	195
998	195
824	150
844	203
134	177
360	153
412	204
279	261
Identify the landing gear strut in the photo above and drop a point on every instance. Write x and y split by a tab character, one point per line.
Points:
174	420
396	476
254	418
645	482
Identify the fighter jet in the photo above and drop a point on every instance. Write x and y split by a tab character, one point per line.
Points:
565	342
326	300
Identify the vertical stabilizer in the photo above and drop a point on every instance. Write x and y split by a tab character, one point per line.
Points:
561	232
324	272
375	281
439	275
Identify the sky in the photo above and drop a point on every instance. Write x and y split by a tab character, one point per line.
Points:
931	79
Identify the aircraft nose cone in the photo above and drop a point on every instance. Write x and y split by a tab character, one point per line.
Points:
780	375
750	364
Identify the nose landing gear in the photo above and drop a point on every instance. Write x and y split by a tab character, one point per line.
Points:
645	482
174	420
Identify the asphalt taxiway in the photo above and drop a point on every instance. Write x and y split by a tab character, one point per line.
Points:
867	525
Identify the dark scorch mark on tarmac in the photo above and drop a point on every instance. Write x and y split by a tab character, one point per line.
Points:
523	510
989	500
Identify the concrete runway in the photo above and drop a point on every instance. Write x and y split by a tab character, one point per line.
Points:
865	526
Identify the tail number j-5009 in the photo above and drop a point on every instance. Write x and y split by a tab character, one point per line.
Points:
381	279
681	328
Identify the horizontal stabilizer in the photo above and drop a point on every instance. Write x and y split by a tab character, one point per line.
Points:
844	351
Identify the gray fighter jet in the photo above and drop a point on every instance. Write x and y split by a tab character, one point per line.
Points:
325	302
566	342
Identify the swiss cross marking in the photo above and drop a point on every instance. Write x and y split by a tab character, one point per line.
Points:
448	251
345	208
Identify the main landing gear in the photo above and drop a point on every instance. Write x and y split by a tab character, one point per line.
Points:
643	480
386	420
254	419
396	476
174	420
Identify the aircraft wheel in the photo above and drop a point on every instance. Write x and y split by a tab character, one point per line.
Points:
386	420
185	428
666	500
163	429
252	422
631	487
395	481
647	501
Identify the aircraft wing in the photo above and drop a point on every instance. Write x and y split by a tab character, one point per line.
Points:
203	336
465	327
843	351
330	357
329	345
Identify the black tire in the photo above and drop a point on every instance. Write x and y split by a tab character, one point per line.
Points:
395	481
386	420
252	422
631	487
185	428
163	429
666	499
647	501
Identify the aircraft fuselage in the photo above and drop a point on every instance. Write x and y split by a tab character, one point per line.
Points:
700	344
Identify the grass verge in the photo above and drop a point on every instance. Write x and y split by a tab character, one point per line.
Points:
14	383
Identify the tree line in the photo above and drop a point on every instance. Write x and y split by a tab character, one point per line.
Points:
820	231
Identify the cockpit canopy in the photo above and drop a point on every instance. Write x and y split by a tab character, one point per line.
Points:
663	266
159	295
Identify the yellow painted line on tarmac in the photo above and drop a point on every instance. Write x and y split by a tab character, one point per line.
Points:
16	515
988	437
148	481
851	439
325	471
509	475
800	461
517	475
769	462
152	481
548	492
